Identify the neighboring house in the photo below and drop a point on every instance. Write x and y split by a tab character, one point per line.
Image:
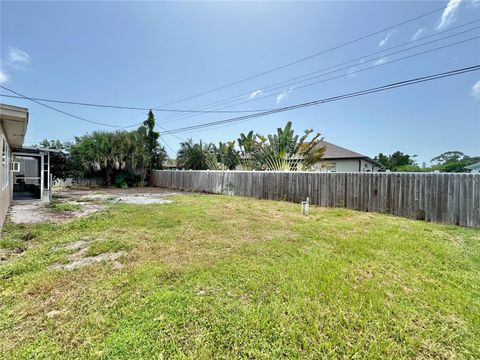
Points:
339	159
474	168
25	171
13	126
170	165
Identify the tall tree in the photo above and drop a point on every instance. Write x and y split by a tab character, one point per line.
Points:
157	153
453	161
287	151
192	156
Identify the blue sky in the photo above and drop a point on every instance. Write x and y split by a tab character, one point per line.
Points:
153	53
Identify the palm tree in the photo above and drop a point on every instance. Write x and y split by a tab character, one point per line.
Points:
108	152
247	147
192	156
228	155
285	151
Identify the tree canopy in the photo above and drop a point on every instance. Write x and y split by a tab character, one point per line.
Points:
282	150
450	161
132	153
453	161
396	161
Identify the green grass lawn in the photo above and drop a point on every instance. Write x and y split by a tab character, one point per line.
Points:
230	277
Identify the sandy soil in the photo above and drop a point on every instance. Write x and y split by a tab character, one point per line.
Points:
37	212
78	259
89	200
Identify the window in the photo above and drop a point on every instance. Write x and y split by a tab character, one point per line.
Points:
16	166
5	165
332	167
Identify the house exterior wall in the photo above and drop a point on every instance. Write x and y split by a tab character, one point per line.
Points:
367	166
5	187
346	165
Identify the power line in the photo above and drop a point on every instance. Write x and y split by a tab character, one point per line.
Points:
316	54
129	107
308	57
332	99
374	66
355	71
163	129
289	81
67	113
163	141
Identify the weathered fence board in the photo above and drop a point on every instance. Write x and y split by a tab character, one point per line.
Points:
442	198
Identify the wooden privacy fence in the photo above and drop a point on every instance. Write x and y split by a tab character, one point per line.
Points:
442	198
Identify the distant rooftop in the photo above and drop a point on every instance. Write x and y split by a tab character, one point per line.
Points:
333	151
475	166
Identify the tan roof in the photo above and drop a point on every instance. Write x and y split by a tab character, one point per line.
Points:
333	151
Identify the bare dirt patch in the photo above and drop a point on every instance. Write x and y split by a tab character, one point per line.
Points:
78	259
88	201
37	212
114	192
141	199
84	261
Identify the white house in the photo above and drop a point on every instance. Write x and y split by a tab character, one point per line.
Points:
13	126
25	172
474	168
339	159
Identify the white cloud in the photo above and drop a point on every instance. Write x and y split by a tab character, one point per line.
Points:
352	72
449	14
476	90
16	55
283	95
380	61
417	34
256	93
384	41
3	77
475	3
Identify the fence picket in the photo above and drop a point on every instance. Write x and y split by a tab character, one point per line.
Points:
443	198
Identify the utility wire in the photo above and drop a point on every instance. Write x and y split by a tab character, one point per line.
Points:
163	141
162	129
331	99
36	100
317	54
308	57
288	82
128	107
373	66
355	71
67	113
